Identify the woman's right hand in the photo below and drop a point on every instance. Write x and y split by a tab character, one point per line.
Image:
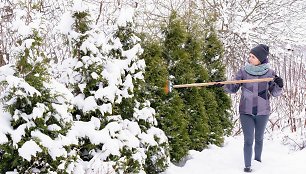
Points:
279	81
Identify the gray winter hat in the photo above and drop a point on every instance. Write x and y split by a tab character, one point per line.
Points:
261	51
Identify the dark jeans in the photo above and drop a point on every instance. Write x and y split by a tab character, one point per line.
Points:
251	124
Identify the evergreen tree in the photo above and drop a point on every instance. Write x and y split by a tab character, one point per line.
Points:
87	66
36	110
182	54
169	108
220	120
107	81
157	156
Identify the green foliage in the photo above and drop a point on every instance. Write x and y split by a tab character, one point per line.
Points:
81	25
84	147
32	64
126	163
174	122
10	158
198	128
156	161
192	118
43	161
224	105
81	21
156	75
213	55
187	67
90	84
125	108
215	126
169	108
126	36
221	121
31	111
124	105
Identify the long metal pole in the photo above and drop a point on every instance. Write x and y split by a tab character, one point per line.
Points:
223	82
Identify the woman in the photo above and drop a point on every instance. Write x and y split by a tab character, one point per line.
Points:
254	105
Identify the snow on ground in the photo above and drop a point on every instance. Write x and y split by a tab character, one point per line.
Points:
276	159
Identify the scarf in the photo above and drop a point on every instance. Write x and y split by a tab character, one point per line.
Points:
257	70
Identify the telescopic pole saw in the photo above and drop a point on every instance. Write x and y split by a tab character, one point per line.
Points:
169	87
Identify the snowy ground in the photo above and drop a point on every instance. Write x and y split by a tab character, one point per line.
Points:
276	159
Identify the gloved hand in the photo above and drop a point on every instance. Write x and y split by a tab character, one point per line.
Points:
279	81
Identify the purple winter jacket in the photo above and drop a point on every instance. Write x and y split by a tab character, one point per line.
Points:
255	96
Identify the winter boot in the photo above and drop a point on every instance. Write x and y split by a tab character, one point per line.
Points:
258	160
247	169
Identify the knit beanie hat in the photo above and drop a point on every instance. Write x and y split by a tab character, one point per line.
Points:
261	51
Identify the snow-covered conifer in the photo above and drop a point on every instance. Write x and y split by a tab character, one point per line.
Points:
114	126
34	107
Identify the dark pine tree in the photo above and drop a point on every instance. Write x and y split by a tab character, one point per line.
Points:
169	107
219	116
182	56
